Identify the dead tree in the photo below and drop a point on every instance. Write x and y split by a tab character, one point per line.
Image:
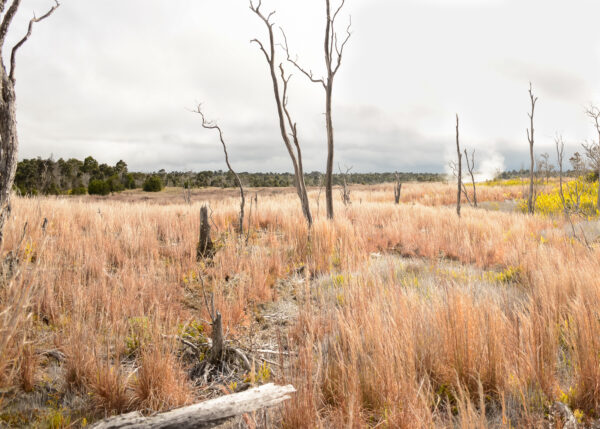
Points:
458	169
345	190
471	169
567	208
592	150
287	126
217	349
531	140
187	193
206	247
575	191
560	149
544	166
220	355
397	189
334	51
9	141
319	194
210	125
206	414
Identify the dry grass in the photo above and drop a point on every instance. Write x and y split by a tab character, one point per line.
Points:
489	339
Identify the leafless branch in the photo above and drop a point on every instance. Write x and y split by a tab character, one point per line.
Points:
24	39
308	73
340	50
267	20
210	125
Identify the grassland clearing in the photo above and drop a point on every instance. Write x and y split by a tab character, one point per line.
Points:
404	316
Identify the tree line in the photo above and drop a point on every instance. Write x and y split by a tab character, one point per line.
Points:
37	176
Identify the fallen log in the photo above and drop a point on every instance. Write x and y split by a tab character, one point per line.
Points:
206	414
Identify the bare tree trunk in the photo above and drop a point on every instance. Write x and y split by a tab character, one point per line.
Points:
330	149
459	169
9	144
217	350
283	113
345	190
471	169
397	189
333	60
560	148
530	139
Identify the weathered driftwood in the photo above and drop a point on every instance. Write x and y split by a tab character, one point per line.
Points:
206	414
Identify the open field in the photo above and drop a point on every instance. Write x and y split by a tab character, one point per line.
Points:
430	194
389	316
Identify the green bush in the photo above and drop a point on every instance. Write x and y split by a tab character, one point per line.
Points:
98	187
129	181
115	184
153	184
591	177
80	190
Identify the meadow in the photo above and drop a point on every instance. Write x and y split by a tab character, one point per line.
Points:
390	316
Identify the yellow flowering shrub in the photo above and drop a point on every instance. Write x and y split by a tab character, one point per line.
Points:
551	203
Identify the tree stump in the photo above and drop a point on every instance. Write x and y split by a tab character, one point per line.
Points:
206	248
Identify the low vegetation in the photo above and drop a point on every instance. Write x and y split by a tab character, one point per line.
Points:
391	315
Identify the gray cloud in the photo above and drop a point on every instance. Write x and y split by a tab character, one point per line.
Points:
114	79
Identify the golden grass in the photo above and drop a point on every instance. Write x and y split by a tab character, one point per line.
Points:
492	343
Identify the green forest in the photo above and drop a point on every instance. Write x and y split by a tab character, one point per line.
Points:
39	176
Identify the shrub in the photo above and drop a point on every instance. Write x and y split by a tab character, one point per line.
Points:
153	184
115	184
80	190
129	181
551	203
98	187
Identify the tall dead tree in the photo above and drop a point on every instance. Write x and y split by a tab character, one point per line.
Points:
334	51
397	189
211	125
592	150
458	168
287	126
560	150
531	140
544	166
9	141
574	197
471	169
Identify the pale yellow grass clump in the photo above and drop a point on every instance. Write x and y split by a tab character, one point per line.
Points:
109	284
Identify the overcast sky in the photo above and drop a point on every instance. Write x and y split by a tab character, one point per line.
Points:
115	79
